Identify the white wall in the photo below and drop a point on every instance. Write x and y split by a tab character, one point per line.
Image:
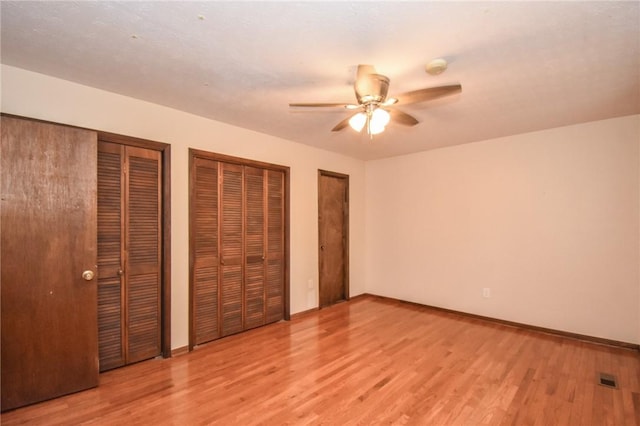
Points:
549	221
38	96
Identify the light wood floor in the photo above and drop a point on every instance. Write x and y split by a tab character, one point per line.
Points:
368	361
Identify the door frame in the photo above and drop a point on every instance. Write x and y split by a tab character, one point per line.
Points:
345	232
165	279
197	153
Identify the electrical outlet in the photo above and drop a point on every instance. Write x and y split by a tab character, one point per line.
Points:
486	292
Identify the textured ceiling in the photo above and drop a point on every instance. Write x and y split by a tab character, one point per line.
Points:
523	66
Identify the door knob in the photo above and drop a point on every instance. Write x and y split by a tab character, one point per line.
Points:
88	275
322	247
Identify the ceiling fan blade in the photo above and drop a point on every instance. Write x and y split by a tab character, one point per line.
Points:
428	94
341	125
321	105
402	118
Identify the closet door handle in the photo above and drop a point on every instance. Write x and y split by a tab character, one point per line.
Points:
222	261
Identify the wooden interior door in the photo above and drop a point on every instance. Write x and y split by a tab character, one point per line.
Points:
48	241
333	238
129	254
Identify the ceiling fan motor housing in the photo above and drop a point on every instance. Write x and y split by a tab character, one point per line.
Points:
372	89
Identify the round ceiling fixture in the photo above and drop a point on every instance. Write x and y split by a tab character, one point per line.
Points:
436	66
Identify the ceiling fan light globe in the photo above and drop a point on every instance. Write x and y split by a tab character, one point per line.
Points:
375	129
358	121
380	118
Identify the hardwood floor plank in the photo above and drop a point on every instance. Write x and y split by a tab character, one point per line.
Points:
368	361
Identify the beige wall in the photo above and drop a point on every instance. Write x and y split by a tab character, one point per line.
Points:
35	95
549	221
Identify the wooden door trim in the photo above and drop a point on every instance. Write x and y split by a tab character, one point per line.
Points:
165	150
345	230
222	158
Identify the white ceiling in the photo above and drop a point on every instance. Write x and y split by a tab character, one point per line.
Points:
523	66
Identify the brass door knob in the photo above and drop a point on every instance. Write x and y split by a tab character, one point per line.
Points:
88	275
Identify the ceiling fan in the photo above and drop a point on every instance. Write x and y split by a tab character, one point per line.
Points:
374	108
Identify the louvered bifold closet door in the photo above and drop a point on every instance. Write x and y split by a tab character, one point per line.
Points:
254	273
143	267
275	250
205	251
237	246
231	247
110	247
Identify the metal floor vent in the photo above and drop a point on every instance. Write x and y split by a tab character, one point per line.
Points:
607	380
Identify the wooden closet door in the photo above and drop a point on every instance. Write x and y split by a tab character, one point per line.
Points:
254	271
48	239
129	254
143	252
275	253
237	246
205	259
110	255
231	248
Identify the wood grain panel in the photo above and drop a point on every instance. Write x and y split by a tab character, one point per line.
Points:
48	238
